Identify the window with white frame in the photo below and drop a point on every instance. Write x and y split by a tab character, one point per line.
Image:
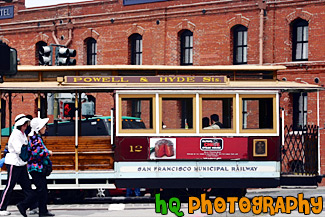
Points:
187	48
240	45
91	51
135	41
299	110
300	40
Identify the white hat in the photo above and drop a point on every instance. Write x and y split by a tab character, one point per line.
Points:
20	120
37	124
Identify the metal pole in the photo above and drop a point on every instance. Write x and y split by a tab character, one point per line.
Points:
318	136
10	113
39	105
79	112
76	133
112	127
282	127
56	107
0	128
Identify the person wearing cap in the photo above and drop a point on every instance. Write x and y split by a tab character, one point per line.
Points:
39	157
16	167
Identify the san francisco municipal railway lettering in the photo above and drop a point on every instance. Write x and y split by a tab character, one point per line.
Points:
147	79
197	169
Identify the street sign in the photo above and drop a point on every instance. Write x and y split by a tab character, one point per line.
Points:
6	12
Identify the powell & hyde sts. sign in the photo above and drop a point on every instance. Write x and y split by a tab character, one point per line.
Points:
146	79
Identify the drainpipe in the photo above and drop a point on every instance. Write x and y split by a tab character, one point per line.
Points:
318	136
262	7
70	27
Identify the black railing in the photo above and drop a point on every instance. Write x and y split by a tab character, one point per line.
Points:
300	151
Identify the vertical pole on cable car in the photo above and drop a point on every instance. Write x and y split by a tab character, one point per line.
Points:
79	113
76	132
282	128
10	113
0	129
112	126
39	105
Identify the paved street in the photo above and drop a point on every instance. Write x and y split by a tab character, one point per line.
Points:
148	209
131	210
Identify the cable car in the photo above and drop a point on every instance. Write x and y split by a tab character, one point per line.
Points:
220	129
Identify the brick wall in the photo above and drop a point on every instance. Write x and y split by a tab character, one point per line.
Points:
111	24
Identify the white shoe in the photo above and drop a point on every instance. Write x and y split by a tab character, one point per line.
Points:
33	211
4	212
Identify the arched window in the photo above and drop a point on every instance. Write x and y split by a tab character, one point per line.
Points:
299	40
187	48
38	57
240	45
91	51
135	42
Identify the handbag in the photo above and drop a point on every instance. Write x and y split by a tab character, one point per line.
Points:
2	162
47	168
24	153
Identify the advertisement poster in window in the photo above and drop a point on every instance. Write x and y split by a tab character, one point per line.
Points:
212	148
188	148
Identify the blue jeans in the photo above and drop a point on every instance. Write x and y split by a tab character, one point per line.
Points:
129	192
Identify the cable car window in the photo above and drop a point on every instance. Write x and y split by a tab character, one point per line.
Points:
91	123
177	113
217	113
137	113
258	112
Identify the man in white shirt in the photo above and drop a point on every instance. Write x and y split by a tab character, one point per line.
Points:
215	124
17	169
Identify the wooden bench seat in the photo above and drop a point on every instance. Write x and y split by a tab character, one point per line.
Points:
94	152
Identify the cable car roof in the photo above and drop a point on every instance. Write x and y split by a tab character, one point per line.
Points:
230	85
18	84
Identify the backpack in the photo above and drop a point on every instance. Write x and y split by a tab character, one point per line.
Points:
24	153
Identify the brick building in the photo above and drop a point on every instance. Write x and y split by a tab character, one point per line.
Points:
182	32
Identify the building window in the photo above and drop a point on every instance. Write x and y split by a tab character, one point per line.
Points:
136	49
187	48
299	110
38	56
240	45
300	40
91	51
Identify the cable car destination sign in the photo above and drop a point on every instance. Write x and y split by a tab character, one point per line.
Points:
146	79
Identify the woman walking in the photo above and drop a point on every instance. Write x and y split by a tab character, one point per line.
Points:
16	167
38	161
